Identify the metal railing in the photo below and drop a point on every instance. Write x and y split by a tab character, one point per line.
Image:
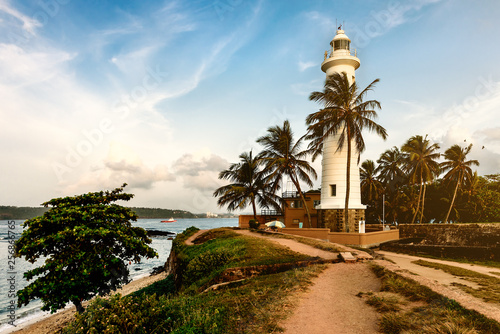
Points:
271	213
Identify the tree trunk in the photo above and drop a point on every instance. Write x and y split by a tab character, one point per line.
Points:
452	201
254	209
423	204
297	185
79	306
348	183
418	202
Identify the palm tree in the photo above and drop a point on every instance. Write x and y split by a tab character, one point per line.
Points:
370	186
389	168
282	156
344	114
421	166
248	186
458	168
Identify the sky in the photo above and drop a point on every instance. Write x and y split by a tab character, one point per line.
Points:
163	95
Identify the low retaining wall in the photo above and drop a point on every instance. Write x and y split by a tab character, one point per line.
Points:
467	235
364	240
460	252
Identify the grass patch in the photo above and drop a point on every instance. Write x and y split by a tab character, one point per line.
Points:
417	309
489	289
255	305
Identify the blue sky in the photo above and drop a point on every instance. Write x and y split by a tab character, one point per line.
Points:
165	94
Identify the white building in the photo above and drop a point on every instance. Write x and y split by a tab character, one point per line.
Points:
334	163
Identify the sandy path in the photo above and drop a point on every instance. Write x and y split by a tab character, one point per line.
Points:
331	304
51	323
439	281
402	259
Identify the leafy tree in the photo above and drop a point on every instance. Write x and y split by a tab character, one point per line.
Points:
345	114
421	166
85	242
458	168
371	187
390	169
249	186
282	156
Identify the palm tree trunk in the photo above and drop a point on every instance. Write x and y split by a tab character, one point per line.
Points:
254	208
418	202
423	203
452	202
348	183
297	185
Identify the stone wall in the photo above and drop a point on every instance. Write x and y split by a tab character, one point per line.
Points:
466	235
334	219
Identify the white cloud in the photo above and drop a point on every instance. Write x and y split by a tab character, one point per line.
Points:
305	65
28	24
122	165
200	173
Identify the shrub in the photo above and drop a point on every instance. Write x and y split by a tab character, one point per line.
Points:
254	224
205	264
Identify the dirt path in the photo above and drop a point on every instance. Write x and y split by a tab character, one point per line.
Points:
331	304
189	241
404	260
439	281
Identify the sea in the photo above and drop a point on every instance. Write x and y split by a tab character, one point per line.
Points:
11	270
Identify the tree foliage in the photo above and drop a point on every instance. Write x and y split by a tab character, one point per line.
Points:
85	243
282	156
346	114
248	186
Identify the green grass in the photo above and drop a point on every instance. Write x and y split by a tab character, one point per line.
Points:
255	305
410	308
489	289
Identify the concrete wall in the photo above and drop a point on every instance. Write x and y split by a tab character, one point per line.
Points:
316	233
351	239
470	235
363	239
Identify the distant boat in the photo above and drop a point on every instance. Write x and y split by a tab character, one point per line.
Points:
171	220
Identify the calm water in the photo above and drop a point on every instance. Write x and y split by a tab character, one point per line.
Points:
161	244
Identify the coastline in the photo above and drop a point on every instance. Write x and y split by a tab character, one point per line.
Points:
49	323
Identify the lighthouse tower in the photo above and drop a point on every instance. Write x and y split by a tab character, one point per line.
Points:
334	163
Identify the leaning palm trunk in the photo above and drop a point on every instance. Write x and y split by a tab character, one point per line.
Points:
254	209
303	199
418	201
423	204
452	201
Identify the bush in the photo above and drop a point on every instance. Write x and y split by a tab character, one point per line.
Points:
205	264
254	224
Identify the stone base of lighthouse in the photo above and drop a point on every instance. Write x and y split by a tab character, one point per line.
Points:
334	219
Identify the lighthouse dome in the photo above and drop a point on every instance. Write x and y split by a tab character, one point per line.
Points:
340	41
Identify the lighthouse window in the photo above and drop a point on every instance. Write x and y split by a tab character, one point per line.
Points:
341	45
333	190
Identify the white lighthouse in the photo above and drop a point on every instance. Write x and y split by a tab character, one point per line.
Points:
334	163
